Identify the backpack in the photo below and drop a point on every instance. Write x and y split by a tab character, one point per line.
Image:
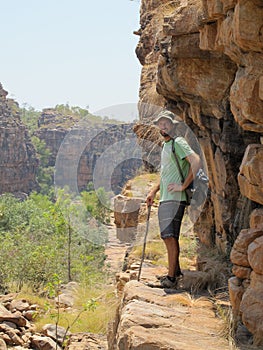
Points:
197	191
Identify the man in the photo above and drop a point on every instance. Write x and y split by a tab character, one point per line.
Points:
172	194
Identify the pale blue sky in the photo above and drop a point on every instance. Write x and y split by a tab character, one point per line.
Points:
79	52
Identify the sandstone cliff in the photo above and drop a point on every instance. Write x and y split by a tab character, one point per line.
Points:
18	160
77	144
203	60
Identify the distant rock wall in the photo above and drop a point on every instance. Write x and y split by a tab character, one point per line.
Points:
18	162
202	59
84	144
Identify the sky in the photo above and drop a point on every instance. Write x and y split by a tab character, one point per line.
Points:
79	52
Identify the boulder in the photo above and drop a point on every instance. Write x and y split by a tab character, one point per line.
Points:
236	291
256	218
87	341
241	271
44	343
57	333
15	317
255	255
19	305
250	177
126	217
251	307
147	316
238	253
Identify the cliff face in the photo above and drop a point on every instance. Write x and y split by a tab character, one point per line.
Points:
79	144
18	160
203	60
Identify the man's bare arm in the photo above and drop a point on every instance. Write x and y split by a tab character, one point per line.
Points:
151	195
195	164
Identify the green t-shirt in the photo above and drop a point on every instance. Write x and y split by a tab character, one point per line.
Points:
169	169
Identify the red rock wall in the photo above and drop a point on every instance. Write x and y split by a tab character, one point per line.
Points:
203	60
83	145
18	161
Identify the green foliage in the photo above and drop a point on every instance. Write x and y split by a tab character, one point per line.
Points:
82	114
29	117
44	171
97	203
54	287
40	238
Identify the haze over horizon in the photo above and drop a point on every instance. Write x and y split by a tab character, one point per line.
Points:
78	53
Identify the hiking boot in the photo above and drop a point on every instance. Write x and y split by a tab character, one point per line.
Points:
160	277
179	281
167	283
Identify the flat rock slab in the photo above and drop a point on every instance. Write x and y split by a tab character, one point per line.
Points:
152	319
87	341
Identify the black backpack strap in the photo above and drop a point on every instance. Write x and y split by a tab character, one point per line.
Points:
177	162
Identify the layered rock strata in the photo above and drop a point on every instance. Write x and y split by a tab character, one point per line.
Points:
203	61
151	319
126	217
195	64
18	162
246	287
76	146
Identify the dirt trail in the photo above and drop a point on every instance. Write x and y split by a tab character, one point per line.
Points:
151	318
114	249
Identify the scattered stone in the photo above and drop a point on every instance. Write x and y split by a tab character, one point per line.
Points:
15	317
65	300
44	343
30	314
19	305
57	333
87	341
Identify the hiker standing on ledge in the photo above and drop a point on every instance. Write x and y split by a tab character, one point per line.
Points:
172	194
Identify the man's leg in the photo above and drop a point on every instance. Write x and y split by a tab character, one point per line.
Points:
173	250
170	216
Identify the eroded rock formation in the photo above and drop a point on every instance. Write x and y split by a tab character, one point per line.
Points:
18	160
246	287
80	144
203	60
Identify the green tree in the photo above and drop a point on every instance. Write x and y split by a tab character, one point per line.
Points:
45	173
40	238
97	203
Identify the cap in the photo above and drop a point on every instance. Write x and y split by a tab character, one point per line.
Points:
166	115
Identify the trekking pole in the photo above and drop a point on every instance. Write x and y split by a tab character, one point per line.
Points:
144	242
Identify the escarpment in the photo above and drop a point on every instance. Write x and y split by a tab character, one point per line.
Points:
18	162
77	146
203	60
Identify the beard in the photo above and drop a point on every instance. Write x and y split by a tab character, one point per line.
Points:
163	133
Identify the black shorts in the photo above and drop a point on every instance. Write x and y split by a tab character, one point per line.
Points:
170	215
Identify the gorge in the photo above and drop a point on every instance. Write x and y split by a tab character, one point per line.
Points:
202	60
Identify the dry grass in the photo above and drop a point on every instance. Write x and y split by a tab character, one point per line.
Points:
156	252
216	267
188	300
76	318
